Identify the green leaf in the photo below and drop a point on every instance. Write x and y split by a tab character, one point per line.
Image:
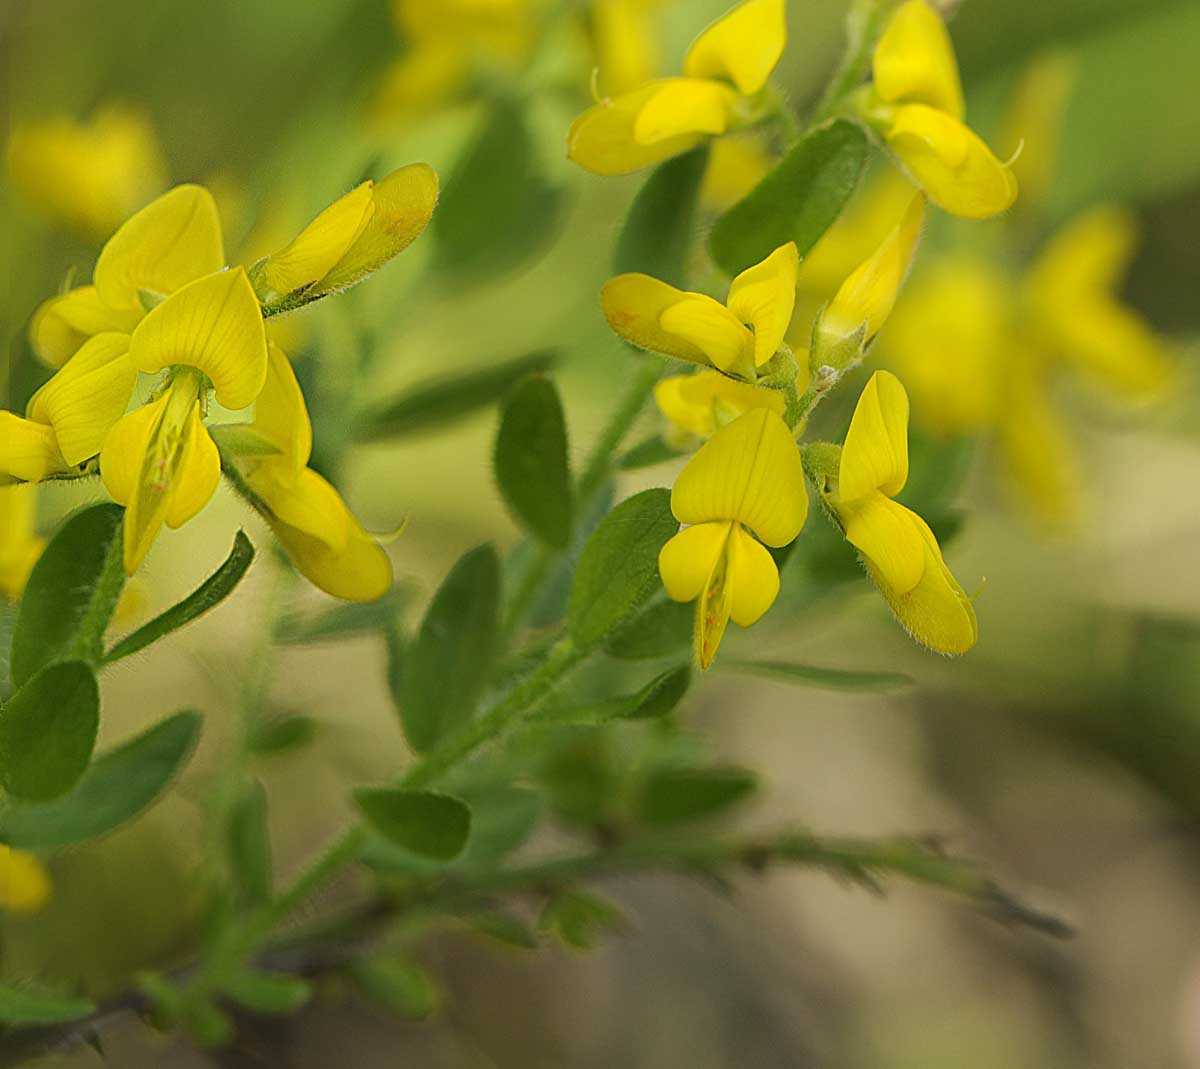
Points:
647	453
48	730
250	845
531	462
661	224
618	569
432	825
674	795
504	927
27	1006
579	918
344	621
241	440
215	589
279	734
662	629
118	786
437	403
502	818
399	985
71	593
498	208
657	698
447	667
797	201
267	993
807	675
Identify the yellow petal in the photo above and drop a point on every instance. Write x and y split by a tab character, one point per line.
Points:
947	160
280	414
687	561
698	404
198	475
753	578
62	324
20	545
875	453
683	107
763	296
634	304
302	502
312	254
87	396
214	324
914	61
1086	258
602	140
404	202
936	612
1114	344
749	471
743	46
422	79
1034	120
28	450
735	166
627	52
868	296
169	243
884	532
24	882
714	330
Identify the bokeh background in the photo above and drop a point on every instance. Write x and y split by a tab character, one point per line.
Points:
1064	752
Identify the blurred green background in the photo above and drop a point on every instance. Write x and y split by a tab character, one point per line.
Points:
1064	751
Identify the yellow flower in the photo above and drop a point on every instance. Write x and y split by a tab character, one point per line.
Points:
90	175
24	882
725	69
899	550
738	337
353	237
746	482
697	405
28	450
324	540
916	104
20	545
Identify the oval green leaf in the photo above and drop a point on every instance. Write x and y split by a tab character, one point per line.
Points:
430	825
807	675
675	795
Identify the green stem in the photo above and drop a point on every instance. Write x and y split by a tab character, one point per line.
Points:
863	26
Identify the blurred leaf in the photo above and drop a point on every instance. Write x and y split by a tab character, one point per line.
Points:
48	730
503	927
279	734
674	795
432	825
71	593
241	440
344	621
398	985
618	568
532	468
447	667
797	201
498	209
208	1024
807	675
657	698
502	818
579	918
647	453
119	785
660	228
437	403
31	1006
662	629
580	777
215	589
250	845
267	993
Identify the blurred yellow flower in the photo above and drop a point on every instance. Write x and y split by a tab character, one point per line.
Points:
1032	126
739	337
625	43
20	545
899	550
916	104
725	70
745	487
90	175
736	164
24	882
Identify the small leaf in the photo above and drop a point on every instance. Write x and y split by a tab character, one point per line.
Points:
71	593
437	403
399	985
27	1006
797	201
118	786
48	730
661	224
579	918
446	669
503	927
344	621
432	825
647	453
657	698
824	678
662	629
250	845
278	734
498	208
215	589
674	795
268	993
531	461
618	569
502	818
